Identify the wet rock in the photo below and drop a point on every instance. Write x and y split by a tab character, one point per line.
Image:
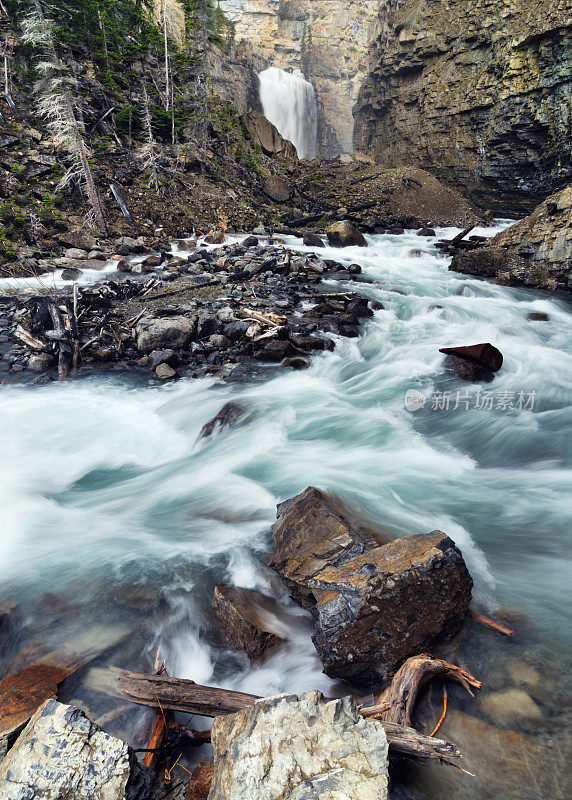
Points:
250	241
313	531
152	261
62	755
277	188
296	362
274	350
215	236
523	674
236	330
300	748
199	785
165	373
157	357
426	232
475	362
510	706
345	234
247	620
538	316
78	239
379	608
10	622
227	416
313	240
70	274
469	370
159	333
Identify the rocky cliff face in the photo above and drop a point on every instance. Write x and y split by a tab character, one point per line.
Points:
328	40
477	91
536	252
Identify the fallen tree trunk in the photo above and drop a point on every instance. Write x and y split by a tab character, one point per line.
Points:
401	695
177	694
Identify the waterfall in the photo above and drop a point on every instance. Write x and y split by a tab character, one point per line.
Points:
289	102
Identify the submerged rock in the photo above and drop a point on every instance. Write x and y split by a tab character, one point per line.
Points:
62	755
227	416
299	748
510	706
345	234
379	608
247	620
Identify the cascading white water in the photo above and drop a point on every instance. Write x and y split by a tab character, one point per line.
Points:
289	102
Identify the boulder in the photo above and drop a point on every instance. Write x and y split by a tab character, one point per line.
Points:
312	532
227	416
78	239
247	620
379	608
216	236
277	188
62	755
160	333
157	357
312	240
267	134
426	232
469	370
250	241
299	748
345	234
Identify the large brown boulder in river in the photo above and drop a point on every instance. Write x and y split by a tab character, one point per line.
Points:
345	234
388	604
374	604
314	531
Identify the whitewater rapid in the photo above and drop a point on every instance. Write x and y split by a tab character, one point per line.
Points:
106	487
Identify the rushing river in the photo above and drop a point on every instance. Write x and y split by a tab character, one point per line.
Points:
116	515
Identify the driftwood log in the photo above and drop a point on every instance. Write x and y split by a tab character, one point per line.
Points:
177	694
401	695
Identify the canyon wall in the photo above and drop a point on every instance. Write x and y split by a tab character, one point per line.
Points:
327	39
477	91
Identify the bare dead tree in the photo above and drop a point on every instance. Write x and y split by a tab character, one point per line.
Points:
56	105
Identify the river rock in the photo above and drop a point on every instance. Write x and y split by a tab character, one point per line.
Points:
10	622
379	608
247	620
314	531
160	333
227	416
216	236
165	373
510	706
299	748
313	240
468	370
345	234
62	755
